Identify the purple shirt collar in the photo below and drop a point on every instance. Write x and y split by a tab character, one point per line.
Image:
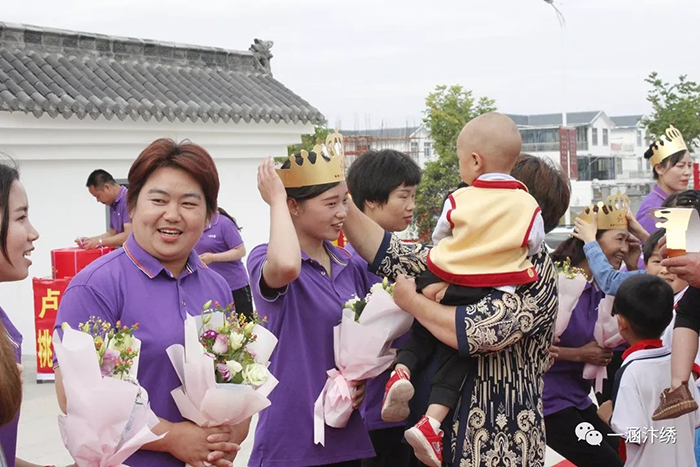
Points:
214	221
120	196
151	266
661	193
337	256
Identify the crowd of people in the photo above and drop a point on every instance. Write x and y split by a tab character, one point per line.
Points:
480	379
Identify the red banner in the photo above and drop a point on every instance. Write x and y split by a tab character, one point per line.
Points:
573	158
564	149
47	297
67	262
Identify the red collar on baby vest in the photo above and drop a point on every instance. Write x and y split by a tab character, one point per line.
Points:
643	345
502	184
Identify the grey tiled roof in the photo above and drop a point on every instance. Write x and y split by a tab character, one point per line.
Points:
627	120
572	118
57	72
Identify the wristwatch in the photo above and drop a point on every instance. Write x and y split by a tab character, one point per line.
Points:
101	241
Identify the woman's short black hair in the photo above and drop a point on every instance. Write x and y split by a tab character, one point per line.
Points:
307	192
375	174
646	302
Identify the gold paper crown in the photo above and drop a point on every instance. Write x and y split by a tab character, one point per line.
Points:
617	207
682	228
667	145
319	172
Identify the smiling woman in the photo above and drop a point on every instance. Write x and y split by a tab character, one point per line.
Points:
300	282
17	236
157	280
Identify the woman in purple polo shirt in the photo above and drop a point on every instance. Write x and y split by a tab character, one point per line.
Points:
157	279
672	167
221	248
17	236
566	398
300	282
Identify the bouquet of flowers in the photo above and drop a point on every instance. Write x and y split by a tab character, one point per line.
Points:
571	281
362	347
99	362
607	334
223	367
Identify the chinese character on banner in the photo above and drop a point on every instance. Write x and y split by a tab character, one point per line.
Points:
49	302
44	353
47	299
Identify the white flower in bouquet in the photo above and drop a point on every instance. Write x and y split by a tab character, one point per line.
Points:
255	374
236	340
220	345
234	367
376	288
248	328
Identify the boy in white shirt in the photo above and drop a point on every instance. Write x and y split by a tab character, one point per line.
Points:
644	308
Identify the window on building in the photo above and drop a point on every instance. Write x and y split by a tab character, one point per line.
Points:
427	149
639	137
594	136
414	148
605	136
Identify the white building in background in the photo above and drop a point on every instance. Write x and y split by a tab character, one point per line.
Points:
412	141
74	102
609	151
628	145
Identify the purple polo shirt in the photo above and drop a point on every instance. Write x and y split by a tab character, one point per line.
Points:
130	285
220	236
564	385
302	316
118	212
8	433
374	393
645	214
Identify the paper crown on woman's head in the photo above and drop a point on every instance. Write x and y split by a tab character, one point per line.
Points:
667	145
611	215
319	172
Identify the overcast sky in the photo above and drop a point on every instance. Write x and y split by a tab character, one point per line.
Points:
365	63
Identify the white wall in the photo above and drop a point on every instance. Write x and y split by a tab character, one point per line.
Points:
57	155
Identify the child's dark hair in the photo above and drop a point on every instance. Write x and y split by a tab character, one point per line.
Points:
650	244
375	174
307	192
646	302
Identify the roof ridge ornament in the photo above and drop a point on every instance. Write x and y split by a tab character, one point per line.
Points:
262	54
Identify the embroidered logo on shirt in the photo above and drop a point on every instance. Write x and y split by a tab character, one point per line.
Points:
212	236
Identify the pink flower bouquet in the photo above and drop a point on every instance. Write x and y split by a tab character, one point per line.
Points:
607	334
362	344
223	367
571	282
100	363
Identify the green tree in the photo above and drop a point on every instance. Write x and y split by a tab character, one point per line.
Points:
676	104
308	142
448	109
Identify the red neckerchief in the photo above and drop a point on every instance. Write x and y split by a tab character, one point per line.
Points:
643	345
